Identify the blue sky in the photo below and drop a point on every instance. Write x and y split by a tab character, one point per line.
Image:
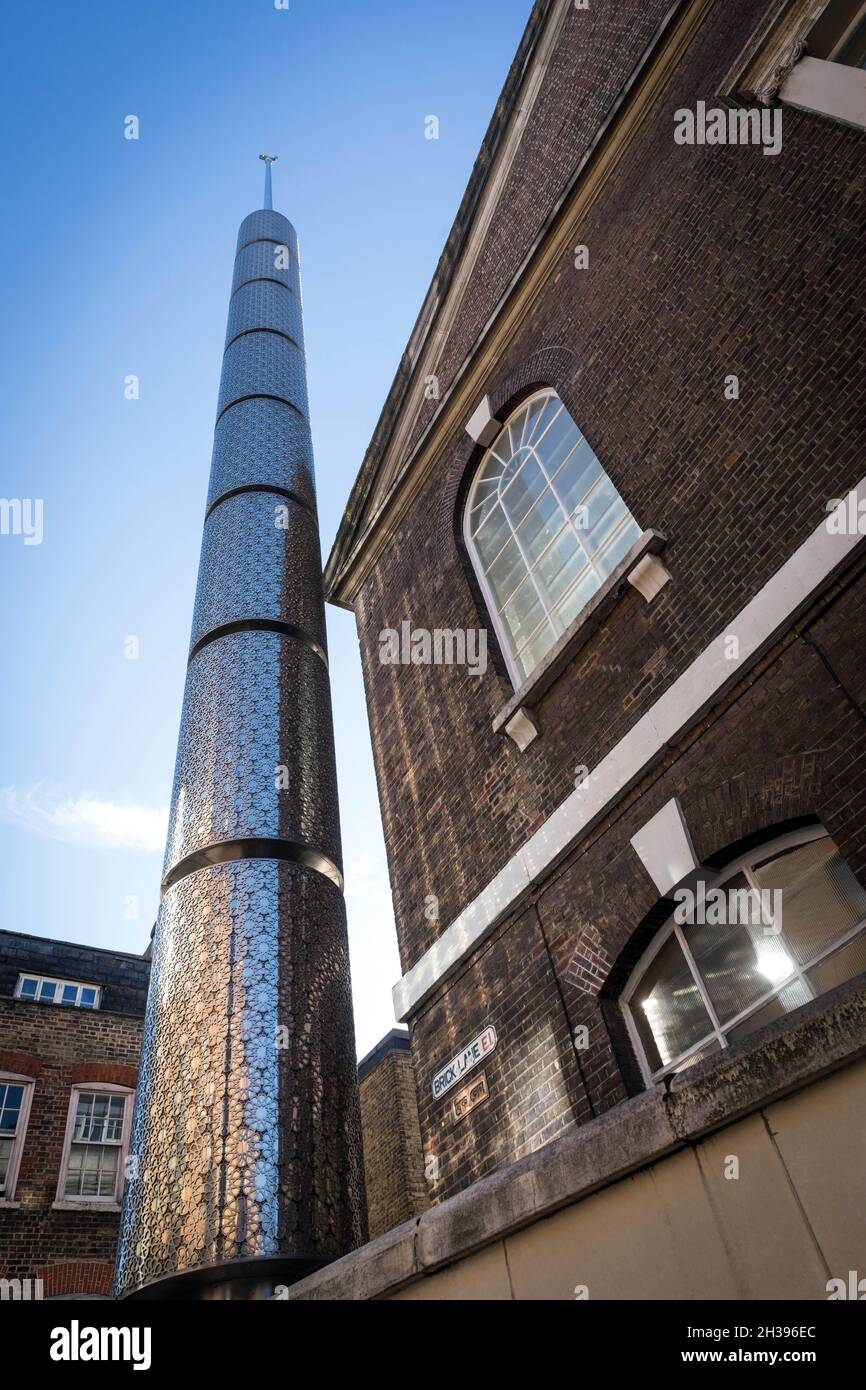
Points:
118	258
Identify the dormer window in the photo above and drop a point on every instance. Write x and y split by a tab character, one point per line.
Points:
46	989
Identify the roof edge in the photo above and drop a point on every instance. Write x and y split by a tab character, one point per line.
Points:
436	295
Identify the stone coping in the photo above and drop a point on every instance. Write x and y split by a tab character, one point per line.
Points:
781	1058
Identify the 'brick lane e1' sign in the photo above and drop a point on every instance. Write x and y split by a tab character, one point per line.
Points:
477	1050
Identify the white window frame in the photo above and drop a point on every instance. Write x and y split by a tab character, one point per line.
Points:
12	1078
742	865
95	1088
506	643
78	985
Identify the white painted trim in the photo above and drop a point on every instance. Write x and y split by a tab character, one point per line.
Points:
831	89
791	589
95	1203
664	847
483	425
13	1078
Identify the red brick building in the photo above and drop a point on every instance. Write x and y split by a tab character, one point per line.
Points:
612	453
71	1021
70	1034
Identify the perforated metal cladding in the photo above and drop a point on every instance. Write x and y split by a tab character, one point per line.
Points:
262	304
270	226
257	709
262	442
267	260
245	1142
246	1139
260	558
264	364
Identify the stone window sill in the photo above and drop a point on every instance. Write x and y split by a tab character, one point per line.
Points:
6	1205
95	1207
645	573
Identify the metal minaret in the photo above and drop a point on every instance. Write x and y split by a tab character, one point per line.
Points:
245	1155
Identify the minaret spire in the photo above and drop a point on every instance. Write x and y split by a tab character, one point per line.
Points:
246	1169
269	192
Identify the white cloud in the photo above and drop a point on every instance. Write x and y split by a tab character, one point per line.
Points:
84	819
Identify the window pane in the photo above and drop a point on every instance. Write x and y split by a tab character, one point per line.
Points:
92	1154
88	998
667	1007
577	598
28	989
702	1052
523	613
493	536
10	1107
538	529
791	997
506	572
820	897
558	444
108	1173
540	420
617	548
83	1115
5	1156
47	990
577	476
737	960
527	484
536	648
72	1186
842	965
560	564
70	994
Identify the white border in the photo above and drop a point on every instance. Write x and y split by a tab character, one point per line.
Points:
791	589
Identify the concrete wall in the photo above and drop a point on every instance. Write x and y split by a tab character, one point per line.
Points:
637	1204
794	1218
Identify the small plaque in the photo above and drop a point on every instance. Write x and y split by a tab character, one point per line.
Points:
464	1062
473	1094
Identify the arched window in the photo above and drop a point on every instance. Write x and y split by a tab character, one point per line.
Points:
545	526
777	928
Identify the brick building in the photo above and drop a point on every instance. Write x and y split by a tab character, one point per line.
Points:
613	452
70	1035
393	1167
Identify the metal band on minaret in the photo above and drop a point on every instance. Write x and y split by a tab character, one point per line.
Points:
245	1156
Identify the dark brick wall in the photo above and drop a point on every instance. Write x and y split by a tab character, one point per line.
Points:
72	1252
393	1164
785	748
123	978
703	262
